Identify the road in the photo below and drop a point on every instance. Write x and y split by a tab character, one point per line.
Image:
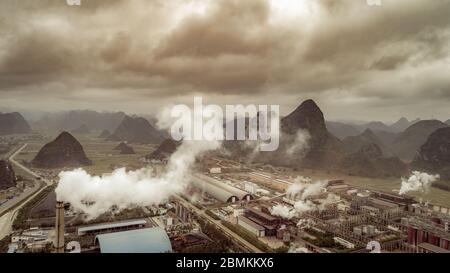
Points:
13	202
219	225
7	219
17	164
5	225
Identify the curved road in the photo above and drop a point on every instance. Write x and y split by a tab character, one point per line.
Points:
11	208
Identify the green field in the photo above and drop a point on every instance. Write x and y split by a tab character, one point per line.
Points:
102	153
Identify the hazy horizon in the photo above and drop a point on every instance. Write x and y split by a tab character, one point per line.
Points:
34	116
357	62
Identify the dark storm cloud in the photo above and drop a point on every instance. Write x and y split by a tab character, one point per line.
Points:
337	51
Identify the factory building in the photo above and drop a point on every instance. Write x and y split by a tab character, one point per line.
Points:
344	242
34	239
183	213
400	200
420	232
147	240
223	192
373	205
251	226
429	248
215	170
368	230
269	222
111	227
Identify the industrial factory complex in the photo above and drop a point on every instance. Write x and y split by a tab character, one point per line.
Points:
251	210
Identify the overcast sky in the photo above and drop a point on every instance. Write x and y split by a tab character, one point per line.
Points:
357	61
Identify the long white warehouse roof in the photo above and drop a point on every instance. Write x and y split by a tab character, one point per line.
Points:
219	190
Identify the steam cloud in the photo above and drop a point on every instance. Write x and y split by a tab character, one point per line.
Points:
303	188
283	211
95	195
300	190
418	182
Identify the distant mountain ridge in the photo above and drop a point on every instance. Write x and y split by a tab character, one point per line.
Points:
407	143
434	154
13	123
323	150
341	130
136	130
402	124
355	143
93	120
83	130
369	161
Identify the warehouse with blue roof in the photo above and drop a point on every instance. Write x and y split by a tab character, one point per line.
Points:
147	240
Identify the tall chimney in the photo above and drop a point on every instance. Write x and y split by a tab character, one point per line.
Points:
59	228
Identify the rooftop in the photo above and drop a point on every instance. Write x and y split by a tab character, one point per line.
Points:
262	214
111	225
250	223
433	248
148	240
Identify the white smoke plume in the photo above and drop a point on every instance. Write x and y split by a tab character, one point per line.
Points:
95	195
417	182
300	190
302	206
304	188
283	211
330	199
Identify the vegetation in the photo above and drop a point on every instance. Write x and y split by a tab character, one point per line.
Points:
5	148
249	237
21	219
282	249
322	239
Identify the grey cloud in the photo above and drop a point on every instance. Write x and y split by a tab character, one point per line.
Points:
136	50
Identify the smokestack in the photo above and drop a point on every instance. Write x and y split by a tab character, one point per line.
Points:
59	228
